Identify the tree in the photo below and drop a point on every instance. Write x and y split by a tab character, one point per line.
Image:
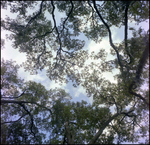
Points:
67	122
40	38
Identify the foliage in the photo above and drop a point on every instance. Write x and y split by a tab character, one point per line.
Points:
56	47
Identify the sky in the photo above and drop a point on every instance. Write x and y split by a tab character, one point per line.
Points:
78	93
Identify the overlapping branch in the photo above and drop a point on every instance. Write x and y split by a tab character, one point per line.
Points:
142	61
58	34
31	118
22	104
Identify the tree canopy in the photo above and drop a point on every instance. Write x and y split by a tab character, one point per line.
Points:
57	48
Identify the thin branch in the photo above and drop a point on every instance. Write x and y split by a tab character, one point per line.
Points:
139	96
53	16
122	119
59	50
110	38
72	122
15	120
90	6
68	52
92	14
31	117
58	35
40	36
34	17
21	102
128	113
41	53
115	103
72	6
23	93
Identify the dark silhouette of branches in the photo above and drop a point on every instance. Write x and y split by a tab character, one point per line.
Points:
110	37
23	93
15	120
139	70
34	17
21	102
126	31
93	140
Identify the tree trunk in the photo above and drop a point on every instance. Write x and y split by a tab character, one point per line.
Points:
94	139
69	135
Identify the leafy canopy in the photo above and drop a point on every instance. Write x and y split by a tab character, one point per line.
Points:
58	48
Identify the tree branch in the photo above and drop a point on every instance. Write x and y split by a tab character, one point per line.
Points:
139	72
40	36
126	33
41	54
34	17
110	38
31	117
23	93
15	120
72	6
94	139
20	102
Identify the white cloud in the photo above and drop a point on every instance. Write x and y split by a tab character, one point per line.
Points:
97	46
41	78
109	76
10	53
79	90
91	100
53	85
